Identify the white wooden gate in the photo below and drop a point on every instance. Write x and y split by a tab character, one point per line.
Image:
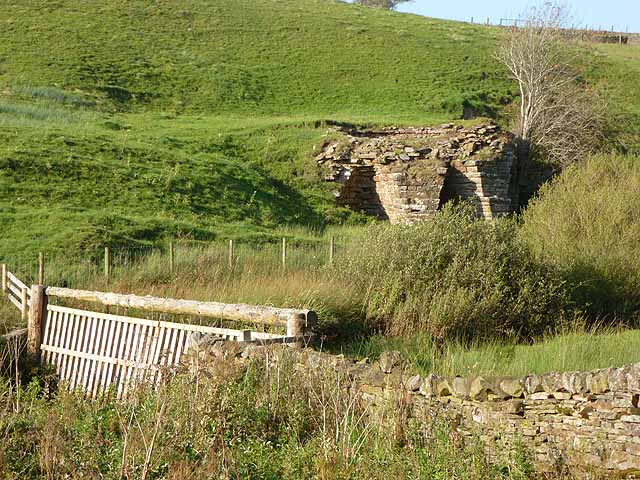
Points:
98	351
103	353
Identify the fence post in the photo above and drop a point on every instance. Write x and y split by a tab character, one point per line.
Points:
24	310
171	258
332	249
296	326
231	253
5	279
107	264
41	268
246	336
37	317
284	253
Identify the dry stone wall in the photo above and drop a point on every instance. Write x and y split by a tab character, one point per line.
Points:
586	420
406	174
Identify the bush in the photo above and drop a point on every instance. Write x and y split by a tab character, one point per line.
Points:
586	223
265	420
454	276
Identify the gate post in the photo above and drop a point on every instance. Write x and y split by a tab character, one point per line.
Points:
5	279
37	318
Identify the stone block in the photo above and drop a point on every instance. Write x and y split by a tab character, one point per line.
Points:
552	382
413	383
428	386
442	388
630	418
390	360
561	395
460	387
533	384
479	388
597	382
512	386
618	380
539	396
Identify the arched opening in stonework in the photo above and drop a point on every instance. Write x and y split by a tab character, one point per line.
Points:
457	187
359	192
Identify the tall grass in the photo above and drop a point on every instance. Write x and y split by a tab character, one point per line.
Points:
268	420
18	113
579	349
53	95
454	276
586	224
202	271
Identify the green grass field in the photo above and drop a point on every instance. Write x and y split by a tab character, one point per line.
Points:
129	123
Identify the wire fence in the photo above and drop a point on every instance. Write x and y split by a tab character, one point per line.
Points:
592	33
229	257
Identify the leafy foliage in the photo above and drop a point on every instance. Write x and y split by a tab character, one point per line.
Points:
587	224
386	4
454	276
271	420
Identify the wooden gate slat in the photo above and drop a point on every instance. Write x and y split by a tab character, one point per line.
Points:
129	355
157	352
100	352
88	348
54	340
148	353
120	369
179	347
77	341
65	336
105	353
111	352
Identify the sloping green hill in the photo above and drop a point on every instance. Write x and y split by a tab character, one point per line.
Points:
309	57
128	121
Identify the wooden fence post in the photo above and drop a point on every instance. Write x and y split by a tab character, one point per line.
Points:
284	253
296	325
107	264
5	279
231	254
24	303
41	268
246	336
37	318
332	247
171	258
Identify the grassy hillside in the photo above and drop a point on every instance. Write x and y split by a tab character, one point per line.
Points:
310	57
130	121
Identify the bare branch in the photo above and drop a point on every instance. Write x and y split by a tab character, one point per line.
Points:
559	119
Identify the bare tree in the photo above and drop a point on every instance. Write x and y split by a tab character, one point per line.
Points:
386	4
560	117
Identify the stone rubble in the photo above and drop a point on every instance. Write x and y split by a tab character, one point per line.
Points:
564	420
406	174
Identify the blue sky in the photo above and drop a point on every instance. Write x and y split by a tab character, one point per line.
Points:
621	14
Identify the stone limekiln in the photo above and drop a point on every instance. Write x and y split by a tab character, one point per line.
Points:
406	174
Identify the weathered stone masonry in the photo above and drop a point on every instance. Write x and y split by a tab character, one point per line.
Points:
571	420
406	174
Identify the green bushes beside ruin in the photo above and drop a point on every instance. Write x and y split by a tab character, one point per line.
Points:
454	276
586	224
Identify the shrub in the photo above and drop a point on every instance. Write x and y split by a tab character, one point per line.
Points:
266	420
454	276
586	223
